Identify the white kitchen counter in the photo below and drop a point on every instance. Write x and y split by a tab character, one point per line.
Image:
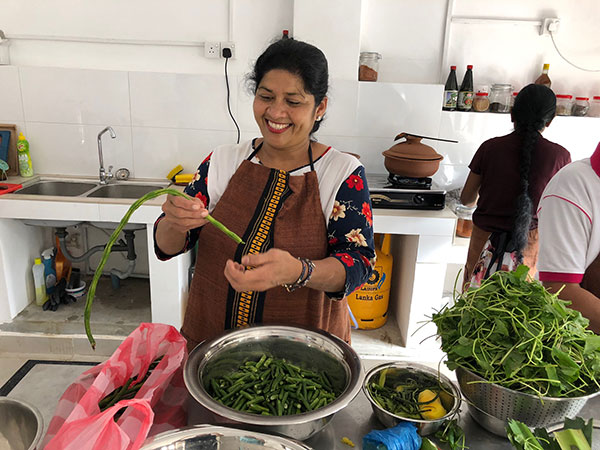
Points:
421	243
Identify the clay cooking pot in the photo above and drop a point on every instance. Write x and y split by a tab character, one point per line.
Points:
411	158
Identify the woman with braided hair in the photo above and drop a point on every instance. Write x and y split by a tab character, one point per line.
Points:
508	175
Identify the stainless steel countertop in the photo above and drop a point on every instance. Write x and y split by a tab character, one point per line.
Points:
356	420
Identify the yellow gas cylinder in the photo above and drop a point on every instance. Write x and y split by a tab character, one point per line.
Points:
369	304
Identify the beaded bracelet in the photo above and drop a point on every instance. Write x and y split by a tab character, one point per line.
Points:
305	275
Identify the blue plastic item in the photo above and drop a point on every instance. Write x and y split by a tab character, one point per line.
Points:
403	436
49	272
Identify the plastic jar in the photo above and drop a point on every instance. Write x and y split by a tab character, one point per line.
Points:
594	110
464	226
564	103
500	98
512	100
368	66
581	106
481	102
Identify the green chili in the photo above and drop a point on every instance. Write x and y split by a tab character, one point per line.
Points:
115	236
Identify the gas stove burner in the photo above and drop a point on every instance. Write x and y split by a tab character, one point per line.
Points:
385	195
400	182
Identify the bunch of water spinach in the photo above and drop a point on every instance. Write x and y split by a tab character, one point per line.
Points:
512	332
115	236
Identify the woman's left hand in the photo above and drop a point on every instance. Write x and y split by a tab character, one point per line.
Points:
267	270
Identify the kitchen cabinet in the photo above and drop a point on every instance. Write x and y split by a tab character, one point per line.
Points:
421	241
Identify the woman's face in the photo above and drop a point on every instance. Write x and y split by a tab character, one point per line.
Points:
283	110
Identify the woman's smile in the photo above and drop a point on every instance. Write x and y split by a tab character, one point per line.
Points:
277	127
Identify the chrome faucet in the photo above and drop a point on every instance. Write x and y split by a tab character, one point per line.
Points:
104	175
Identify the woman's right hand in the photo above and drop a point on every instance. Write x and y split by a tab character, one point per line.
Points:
183	214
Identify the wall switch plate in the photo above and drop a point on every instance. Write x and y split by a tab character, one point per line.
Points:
212	50
230	46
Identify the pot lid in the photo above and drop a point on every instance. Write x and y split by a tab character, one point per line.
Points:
394	154
412	148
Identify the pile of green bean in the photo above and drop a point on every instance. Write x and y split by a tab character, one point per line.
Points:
115	236
272	387
128	390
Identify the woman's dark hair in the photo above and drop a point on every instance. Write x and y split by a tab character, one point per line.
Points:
299	58
534	107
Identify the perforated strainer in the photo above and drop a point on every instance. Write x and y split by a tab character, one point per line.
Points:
492	405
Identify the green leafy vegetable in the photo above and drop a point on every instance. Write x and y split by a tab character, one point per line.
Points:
115	236
576	435
397	391
512	332
451	433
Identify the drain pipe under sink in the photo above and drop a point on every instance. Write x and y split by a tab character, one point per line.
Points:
122	246
115	274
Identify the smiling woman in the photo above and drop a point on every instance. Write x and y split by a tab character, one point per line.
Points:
283	193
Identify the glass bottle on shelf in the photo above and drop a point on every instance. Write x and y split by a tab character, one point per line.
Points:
514	97
465	94
581	106
544	79
451	91
368	66
564	104
594	110
481	103
500	97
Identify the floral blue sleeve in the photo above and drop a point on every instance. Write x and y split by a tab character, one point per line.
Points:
198	188
350	232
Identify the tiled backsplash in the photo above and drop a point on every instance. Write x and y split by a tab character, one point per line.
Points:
165	119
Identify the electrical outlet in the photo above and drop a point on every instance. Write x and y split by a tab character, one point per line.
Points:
549	25
212	50
230	46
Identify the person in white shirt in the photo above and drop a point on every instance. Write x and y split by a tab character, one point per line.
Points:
569	229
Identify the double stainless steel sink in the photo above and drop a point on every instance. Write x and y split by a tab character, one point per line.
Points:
126	189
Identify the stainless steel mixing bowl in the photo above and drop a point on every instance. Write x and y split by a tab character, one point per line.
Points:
425	427
492	405
21	424
308	348
210	437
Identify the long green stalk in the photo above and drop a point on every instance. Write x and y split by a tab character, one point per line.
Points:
115	236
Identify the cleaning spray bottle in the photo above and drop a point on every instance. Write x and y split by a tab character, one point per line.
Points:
49	272
38	281
25	167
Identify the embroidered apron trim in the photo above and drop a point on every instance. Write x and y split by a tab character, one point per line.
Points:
244	308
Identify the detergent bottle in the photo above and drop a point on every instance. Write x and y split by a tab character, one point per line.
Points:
38	281
49	272
25	167
369	304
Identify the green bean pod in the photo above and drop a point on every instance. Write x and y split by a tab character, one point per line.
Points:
115	236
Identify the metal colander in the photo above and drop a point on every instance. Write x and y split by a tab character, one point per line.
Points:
492	405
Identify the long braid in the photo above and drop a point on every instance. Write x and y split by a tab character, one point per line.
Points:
524	209
534	107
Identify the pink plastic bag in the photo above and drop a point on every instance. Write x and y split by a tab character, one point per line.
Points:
164	391
101	432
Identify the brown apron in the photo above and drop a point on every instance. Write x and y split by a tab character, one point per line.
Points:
268	208
591	278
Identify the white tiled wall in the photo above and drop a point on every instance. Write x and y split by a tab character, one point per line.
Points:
165	119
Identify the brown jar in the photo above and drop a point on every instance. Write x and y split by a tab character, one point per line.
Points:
464	225
481	103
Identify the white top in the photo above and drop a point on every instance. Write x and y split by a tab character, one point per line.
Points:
332	168
569	222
